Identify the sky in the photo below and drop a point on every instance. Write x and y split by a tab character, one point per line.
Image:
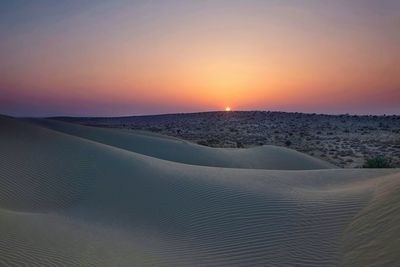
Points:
111	58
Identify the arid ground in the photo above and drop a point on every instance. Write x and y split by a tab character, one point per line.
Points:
344	140
76	195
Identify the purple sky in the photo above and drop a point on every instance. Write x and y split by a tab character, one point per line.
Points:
103	58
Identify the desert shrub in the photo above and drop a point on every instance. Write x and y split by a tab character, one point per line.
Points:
288	142
378	162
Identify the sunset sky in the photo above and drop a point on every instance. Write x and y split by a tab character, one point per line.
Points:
109	58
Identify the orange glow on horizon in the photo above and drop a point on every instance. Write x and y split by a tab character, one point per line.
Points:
189	56
227	109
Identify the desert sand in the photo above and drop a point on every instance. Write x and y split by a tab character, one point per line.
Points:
82	196
172	149
343	140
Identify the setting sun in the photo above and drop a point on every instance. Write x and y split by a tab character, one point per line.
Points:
131	94
198	55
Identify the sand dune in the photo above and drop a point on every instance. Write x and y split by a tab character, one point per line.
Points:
172	149
87	196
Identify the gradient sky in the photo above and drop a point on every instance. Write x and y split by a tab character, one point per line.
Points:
107	58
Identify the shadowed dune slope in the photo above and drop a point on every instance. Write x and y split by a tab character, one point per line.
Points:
373	237
172	149
65	200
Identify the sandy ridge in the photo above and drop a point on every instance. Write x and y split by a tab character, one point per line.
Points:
65	200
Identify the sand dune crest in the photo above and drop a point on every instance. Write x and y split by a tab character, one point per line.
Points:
68	199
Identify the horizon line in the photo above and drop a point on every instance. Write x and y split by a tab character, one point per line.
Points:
208	111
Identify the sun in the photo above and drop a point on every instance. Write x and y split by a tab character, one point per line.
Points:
227	109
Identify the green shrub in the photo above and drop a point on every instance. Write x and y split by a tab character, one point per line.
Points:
378	162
